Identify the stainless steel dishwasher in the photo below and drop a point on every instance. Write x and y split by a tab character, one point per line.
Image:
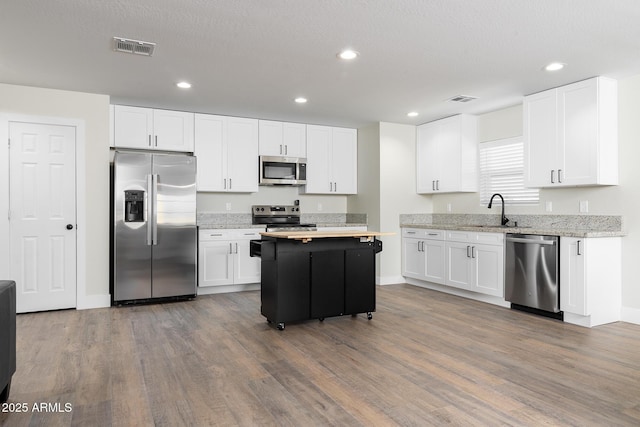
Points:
532	282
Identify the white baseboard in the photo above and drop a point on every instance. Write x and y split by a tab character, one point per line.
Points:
631	315
390	280
93	301
210	290
459	292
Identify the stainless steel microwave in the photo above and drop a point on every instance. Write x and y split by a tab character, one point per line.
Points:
277	170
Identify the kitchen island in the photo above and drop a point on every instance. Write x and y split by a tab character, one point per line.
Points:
315	274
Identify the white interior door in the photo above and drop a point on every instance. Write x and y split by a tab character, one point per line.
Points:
42	202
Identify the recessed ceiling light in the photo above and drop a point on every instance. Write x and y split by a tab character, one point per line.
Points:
301	100
348	54
412	114
554	66
184	85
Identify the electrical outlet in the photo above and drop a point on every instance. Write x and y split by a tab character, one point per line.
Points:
549	206
228	206
584	206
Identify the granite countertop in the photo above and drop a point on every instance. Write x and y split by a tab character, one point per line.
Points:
523	230
555	225
227	221
226	226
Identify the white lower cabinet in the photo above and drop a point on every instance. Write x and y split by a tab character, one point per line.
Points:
590	280
223	257
459	259
423	254
475	262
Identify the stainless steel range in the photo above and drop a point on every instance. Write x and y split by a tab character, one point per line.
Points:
280	218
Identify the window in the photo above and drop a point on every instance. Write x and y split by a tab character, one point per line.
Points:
502	171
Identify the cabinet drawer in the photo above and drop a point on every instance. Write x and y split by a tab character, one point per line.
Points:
229	234
422	233
461	236
490	238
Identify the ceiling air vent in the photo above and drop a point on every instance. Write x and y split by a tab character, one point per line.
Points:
133	46
462	98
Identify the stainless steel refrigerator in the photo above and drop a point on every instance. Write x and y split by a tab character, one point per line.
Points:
154	230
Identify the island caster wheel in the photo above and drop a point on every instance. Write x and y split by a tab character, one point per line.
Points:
321	319
281	326
369	316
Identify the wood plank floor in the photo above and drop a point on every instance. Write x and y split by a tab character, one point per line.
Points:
426	358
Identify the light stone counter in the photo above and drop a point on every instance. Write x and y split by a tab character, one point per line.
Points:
556	225
215	220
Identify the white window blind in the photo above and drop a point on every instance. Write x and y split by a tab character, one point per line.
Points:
502	171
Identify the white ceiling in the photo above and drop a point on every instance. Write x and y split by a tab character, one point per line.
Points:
250	58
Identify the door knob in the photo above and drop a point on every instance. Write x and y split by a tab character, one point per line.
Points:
69	227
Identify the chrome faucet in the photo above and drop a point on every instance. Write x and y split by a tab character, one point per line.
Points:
503	219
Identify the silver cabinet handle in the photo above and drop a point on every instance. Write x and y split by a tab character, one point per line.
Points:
433	185
411	232
559	176
149	140
225	183
156	140
230	248
286	150
280	148
214	235
578	247
473	249
552	177
335	187
432	234
236	247
437	185
468	247
230	184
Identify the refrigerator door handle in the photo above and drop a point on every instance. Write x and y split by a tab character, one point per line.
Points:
154	190
149	214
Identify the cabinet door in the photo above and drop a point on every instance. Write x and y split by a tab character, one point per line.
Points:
210	149
573	286
133	127
578	133
426	158
489	269
540	128
173	130
449	154
270	136
242	155
434	260
319	141
413	259
459	265
246	268
344	163
294	139
215	263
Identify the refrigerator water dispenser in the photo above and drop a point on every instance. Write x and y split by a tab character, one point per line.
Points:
134	206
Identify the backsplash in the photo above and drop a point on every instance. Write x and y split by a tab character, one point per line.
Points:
240	220
580	222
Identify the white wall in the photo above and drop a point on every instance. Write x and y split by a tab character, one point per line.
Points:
93	110
387	188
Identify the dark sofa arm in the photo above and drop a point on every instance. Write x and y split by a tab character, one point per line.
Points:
7	336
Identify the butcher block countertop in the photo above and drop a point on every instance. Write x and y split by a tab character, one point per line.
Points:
307	236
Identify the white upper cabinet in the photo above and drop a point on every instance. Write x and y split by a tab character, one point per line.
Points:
150	129
282	139
447	155
332	160
570	135
227	151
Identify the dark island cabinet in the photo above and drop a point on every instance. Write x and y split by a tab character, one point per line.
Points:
316	279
